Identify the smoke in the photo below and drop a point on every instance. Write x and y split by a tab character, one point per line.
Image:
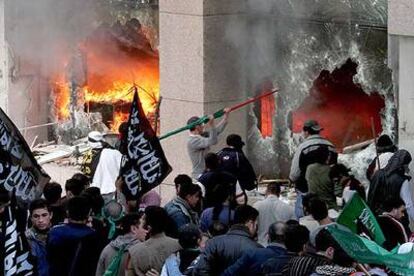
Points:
42	32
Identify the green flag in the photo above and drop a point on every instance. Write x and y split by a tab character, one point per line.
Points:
359	219
368	252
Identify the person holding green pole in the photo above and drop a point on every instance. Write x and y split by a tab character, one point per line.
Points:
200	140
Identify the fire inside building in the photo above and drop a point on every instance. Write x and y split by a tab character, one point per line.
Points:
72	70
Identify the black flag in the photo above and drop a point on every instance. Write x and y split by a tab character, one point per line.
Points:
15	248
144	164
19	170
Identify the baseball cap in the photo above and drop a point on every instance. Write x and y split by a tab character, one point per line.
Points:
312	124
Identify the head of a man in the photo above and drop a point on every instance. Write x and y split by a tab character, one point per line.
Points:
40	215
273	189
189	236
198	128
296	238
394	207
190	193
326	245
134	224
318	209
306	202
74	187
78	210
212	161
181	180
247	215
82	178
52	192
156	220
277	232
311	127
235	141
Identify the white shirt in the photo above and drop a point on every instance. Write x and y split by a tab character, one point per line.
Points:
107	171
271	210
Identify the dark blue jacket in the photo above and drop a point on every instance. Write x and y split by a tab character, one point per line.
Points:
73	249
235	162
38	250
223	251
251	261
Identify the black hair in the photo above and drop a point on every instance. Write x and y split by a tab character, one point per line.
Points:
273	188
217	228
75	186
129	220
244	214
277	232
82	178
391	203
324	240
78	208
188	236
222	191
212	161
158	219
296	236
38	204
123	128
318	209
322	155
292	222
52	192
182	179
93	194
306	201
338	170
190	189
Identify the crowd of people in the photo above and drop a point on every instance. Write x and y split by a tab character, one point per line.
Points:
211	227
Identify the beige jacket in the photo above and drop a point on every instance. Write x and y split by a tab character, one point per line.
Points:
151	254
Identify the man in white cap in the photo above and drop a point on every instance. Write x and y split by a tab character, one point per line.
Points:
102	164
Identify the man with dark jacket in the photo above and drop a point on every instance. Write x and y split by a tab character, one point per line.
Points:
306	154
214	177
74	248
235	162
182	208
251	261
392	182
223	251
40	217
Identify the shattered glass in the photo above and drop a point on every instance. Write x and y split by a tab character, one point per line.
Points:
291	42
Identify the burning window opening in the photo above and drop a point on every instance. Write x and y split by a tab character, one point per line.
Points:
103	69
341	107
265	110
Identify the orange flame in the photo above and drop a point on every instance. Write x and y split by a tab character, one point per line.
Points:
113	87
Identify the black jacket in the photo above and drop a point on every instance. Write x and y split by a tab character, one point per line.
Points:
211	180
387	182
223	251
235	162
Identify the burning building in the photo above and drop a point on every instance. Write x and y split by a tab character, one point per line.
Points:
70	64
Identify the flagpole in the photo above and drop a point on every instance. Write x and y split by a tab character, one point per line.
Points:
216	114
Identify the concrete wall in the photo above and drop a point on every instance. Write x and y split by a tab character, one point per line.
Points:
401	61
4	70
199	73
